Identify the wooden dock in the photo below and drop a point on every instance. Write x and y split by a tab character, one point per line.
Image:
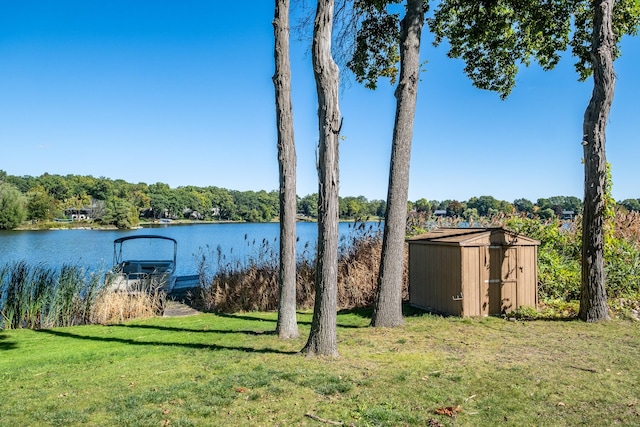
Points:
178	299
183	285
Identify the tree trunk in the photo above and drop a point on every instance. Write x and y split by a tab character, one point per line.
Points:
287	326
387	310
322	337
593	295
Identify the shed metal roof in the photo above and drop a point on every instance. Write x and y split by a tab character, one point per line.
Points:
473	237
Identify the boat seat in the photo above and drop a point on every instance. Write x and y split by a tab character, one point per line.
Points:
129	268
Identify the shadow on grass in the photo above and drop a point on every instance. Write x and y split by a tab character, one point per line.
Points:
364	312
260	319
367	312
196	346
202	330
6	345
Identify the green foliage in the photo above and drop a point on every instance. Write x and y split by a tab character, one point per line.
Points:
558	255
626	20
376	53
40	205
559	259
550	309
494	38
308	205
523	205
121	213
622	267
560	203
12	206
631	204
609	210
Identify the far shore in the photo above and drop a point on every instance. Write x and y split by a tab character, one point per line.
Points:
89	225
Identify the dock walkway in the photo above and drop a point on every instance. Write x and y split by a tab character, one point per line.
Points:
177	301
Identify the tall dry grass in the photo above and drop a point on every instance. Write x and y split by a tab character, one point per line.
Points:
239	287
627	226
116	307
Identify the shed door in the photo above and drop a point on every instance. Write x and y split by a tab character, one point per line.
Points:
500	289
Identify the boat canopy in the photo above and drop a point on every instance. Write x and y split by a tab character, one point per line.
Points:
143	236
117	245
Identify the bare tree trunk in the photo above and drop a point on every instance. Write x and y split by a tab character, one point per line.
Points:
322	337
387	310
287	325
593	295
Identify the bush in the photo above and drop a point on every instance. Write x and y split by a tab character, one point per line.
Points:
559	256
12	206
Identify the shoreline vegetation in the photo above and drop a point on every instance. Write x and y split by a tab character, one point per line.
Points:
32	295
91	225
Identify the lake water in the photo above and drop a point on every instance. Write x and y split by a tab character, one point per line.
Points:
93	249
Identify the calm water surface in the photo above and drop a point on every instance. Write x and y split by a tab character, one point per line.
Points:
93	249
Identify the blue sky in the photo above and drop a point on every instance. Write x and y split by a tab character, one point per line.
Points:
181	93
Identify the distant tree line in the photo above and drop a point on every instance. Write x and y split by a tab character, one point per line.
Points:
117	202
486	206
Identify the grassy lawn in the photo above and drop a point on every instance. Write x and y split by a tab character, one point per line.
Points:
232	370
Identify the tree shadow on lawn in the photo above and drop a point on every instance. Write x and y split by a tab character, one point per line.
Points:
367	312
197	346
6	345
260	319
205	330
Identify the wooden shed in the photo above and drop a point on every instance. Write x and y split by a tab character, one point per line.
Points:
472	271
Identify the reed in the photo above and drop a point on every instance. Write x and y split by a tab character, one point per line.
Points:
38	296
626	226
239	286
26	295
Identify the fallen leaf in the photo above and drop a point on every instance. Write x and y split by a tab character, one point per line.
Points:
560	404
240	390
449	411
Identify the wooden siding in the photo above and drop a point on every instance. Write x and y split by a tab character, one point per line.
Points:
486	272
471	281
435	278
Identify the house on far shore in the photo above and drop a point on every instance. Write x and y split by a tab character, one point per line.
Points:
440	212
568	215
83	214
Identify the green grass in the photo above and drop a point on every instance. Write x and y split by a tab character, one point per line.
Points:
233	370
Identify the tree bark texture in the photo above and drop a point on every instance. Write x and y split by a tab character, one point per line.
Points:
387	310
287	326
593	295
322	337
